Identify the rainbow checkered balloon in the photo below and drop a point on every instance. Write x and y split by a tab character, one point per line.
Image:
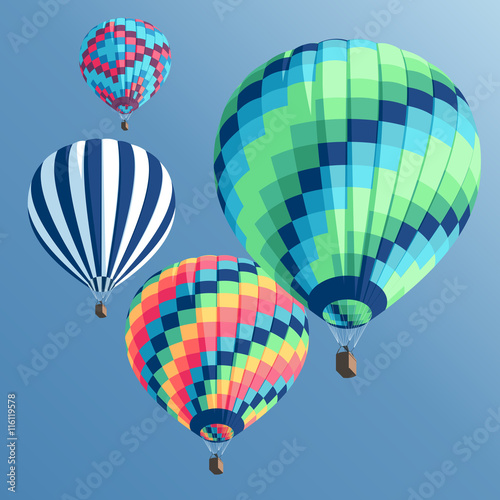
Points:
125	61
217	343
347	169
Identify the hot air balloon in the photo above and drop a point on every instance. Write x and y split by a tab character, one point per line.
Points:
347	169
101	209
217	343
125	61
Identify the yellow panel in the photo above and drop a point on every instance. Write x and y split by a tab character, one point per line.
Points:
267	282
237	374
184	422
301	349
286	351
211	401
269	356
223	387
249	289
173	407
168	388
250	416
177	350
262	412
149	290
189	332
171	369
228	300
206	314
252	364
171	271
135	314
128	337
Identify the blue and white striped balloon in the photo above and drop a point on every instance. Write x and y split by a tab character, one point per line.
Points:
101	209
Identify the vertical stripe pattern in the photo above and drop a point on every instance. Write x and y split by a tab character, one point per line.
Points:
101	209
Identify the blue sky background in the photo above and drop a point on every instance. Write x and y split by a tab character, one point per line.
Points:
376	438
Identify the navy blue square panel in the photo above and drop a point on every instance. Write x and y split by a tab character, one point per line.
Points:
420	100
270	395
384	250
256	400
307	47
295	325
219	167
200	388
282	392
428	226
464	218
224	358
260	336
154	364
450	221
405	236
228	275
154	384
288	261
392	112
289	235
310	180
243	408
161	403
185	302
159	342
209	372
332	153
196	405
362	131
205	287
247	268
277	66
443	92
242	346
279	328
170	321
250	93
296	207
227	130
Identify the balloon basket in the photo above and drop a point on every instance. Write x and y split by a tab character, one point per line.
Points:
216	465
346	364
100	310
124	125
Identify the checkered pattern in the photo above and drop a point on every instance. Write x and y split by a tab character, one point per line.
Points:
217	433
125	61
216	341
348	313
347	169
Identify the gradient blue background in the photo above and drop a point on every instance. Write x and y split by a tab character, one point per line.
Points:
372	443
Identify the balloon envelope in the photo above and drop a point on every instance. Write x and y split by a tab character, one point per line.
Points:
216	343
101	209
125	61
347	169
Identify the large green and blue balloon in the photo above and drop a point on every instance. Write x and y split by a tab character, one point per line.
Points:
347	169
